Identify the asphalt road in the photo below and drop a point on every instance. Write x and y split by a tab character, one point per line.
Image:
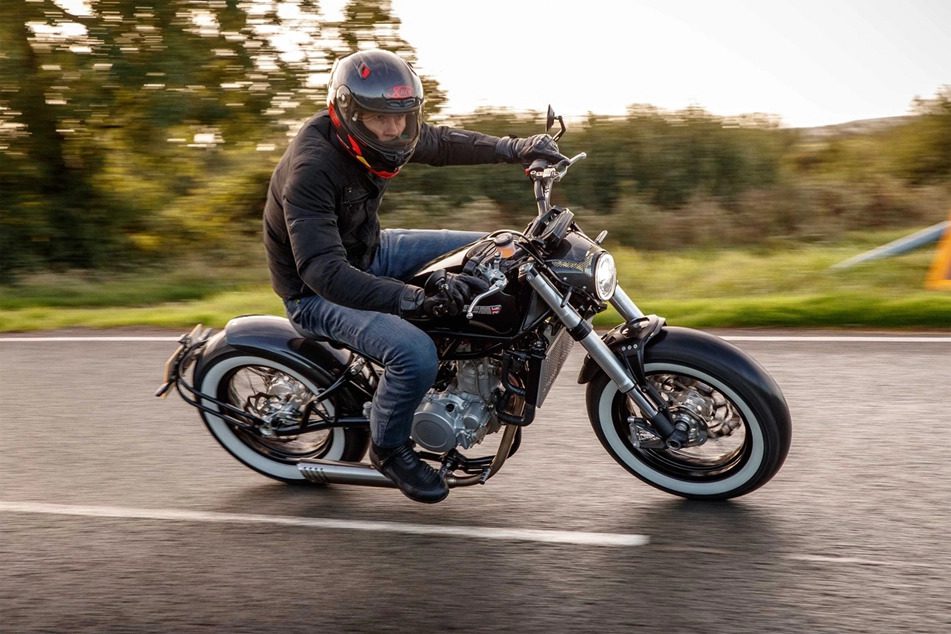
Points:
118	512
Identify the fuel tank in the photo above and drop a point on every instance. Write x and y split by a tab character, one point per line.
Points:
499	315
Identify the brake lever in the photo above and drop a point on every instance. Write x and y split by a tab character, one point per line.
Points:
557	171
562	166
498	285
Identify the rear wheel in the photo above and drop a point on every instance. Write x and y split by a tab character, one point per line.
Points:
738	423
279	392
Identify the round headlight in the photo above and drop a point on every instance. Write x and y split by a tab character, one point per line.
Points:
605	277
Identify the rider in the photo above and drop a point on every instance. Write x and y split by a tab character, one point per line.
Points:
340	276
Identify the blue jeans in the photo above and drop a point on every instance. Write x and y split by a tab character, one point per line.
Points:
407	353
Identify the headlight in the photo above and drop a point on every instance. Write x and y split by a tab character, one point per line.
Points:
605	277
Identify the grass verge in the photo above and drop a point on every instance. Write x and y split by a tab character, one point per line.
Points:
787	286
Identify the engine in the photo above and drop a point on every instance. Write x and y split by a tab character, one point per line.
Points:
461	415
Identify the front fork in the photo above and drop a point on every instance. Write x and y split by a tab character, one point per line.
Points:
625	305
599	351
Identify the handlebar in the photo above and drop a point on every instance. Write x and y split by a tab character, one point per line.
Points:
540	169
543	175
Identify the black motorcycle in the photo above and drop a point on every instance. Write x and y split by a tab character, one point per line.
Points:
680	409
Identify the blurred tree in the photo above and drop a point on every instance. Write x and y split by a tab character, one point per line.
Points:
118	77
43	170
116	114
924	148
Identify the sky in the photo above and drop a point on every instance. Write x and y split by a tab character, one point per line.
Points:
810	62
807	62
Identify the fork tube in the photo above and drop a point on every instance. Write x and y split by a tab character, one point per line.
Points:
599	351
590	340
625	305
541	198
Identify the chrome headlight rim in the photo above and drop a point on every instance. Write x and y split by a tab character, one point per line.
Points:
605	276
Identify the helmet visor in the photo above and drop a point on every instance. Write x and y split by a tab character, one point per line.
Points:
386	131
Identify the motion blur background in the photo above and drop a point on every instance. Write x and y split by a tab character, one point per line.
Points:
139	135
737	151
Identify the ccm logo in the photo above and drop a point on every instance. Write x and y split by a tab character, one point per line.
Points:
401	91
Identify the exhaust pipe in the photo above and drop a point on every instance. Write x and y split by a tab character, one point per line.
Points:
336	472
360	474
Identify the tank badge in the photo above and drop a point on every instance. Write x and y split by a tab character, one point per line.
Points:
487	310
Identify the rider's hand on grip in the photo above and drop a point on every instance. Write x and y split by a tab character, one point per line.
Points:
459	288
528	149
443	295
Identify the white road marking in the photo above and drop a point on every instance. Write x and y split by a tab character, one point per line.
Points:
472	532
763	338
861	561
839	339
826	559
836	560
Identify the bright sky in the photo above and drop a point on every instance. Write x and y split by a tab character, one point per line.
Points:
812	62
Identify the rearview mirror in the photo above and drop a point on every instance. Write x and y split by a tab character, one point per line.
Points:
550	123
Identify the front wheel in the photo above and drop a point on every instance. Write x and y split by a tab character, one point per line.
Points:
738	420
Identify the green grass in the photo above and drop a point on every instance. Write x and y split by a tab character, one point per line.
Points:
150	297
780	286
790	286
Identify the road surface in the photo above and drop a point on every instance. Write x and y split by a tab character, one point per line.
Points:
119	512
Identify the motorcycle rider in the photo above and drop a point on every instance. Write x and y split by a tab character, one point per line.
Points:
340	276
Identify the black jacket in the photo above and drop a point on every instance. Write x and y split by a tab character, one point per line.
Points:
321	223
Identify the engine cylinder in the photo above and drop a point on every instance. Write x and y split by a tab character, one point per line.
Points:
462	415
433	425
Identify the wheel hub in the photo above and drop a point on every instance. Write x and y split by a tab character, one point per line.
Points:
693	411
697	408
280	404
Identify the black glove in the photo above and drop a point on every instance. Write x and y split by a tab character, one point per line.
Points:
443	295
538	146
459	288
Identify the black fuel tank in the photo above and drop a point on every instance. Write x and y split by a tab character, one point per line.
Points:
498	315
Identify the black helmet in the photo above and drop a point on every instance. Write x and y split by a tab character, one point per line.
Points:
369	83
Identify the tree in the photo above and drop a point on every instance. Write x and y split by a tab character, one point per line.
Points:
95	104
43	168
924	145
127	120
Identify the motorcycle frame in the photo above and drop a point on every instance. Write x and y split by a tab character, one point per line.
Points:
193	346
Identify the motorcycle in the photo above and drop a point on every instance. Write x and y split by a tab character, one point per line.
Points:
682	410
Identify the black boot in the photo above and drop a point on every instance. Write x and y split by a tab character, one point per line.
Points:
416	479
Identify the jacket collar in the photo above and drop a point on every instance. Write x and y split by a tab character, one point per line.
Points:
373	182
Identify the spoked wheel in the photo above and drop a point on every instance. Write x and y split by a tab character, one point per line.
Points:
718	438
267	392
738	425
284	395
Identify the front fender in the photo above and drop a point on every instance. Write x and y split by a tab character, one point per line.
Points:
636	335
691	346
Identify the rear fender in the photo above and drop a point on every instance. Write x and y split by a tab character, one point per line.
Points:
276	339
